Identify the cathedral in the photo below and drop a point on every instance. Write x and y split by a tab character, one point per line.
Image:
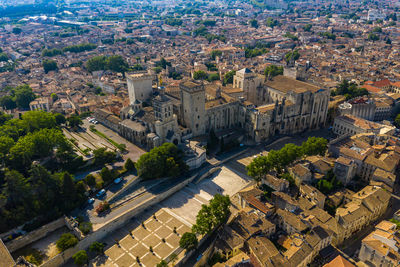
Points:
257	106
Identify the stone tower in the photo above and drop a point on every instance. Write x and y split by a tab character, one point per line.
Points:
139	86
193	106
248	81
166	122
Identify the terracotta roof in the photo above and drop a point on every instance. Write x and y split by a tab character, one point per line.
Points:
339	261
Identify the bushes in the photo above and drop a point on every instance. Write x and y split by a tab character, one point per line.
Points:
66	241
85	227
104	206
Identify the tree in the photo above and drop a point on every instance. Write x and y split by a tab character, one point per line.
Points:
253	23
102	156
162	263
39	119
212	215
3	57
273	70
219	205
90	180
54	96
85	227
49	65
96	63
213	77
74	121
117	63
228	77
272	22
129	165
80	258
106	175
6	143
292	56
397	121
188	241
23	96
66	241
200	75
97	247
7	102
16	30
315	146
307	27
60	118
68	190
373	37
162	161
215	54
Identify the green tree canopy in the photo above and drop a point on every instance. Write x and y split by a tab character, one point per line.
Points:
212	215
200	75
273	70
129	165
307	27
74	121
80	258
103	156
117	63
66	241
97	247
253	23
96	63
292	56
188	241
23	95
162	161
228	77
49	65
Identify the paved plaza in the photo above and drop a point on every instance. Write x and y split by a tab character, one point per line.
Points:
178	211
157	233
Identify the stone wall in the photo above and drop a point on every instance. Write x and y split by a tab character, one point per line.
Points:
35	235
113	225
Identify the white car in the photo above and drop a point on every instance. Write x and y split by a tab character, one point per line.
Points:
90	201
95	122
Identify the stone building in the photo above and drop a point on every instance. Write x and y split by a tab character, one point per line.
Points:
381	247
140	86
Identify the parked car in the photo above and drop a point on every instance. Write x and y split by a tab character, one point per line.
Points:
117	181
101	193
95	122
91	201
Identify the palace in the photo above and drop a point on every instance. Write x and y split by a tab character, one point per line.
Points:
254	105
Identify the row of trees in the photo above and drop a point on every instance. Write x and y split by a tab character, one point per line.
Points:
73	49
209	217
278	160
163	161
